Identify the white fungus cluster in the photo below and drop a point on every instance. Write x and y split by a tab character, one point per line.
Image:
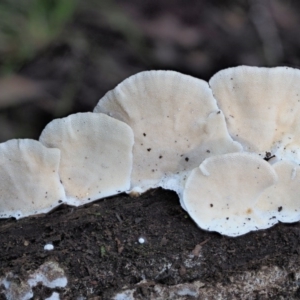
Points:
229	148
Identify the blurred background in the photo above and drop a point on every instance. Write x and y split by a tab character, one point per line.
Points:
59	57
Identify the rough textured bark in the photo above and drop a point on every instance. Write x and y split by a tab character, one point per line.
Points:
97	247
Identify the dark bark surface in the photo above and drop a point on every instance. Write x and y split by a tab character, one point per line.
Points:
97	246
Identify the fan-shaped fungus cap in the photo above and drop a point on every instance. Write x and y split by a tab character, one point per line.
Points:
176	125
29	179
220	195
262	108
281	202
96	155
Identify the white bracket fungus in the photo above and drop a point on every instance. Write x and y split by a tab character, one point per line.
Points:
155	129
262	108
281	202
29	179
220	195
96	155
176	124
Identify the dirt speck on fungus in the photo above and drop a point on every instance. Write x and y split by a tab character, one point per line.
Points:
98	247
